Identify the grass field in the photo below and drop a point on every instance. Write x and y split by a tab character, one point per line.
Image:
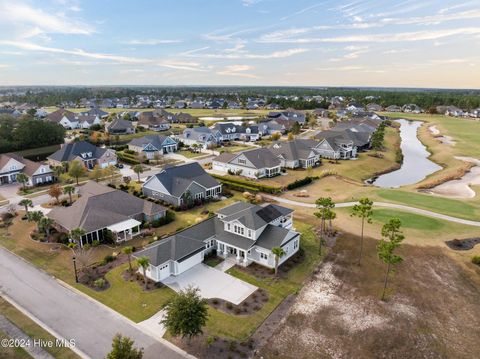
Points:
190	154
33	330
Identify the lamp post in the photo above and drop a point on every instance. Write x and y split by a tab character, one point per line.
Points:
75	268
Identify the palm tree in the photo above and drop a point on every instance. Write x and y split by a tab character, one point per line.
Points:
76	234
364	211
279	253
26	203
23	179
35	216
46	223
69	190
138	169
144	262
128	251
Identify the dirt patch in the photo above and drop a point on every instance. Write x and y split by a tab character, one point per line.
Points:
431	312
253	303
462	244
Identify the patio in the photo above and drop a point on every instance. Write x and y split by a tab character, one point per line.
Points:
212	283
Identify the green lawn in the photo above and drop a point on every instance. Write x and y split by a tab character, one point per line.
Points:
190	154
455	208
235	327
12	353
409	220
40	151
33	330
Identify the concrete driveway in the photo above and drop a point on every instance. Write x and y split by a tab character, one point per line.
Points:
212	283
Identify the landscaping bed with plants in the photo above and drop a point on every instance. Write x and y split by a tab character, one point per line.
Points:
253	303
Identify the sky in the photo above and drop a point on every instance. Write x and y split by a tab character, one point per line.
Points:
403	43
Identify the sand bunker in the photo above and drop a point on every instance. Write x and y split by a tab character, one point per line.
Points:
460	188
447	140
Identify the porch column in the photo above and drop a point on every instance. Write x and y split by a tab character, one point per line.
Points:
238	256
225	252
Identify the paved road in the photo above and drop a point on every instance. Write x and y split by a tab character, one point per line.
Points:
384	205
70	314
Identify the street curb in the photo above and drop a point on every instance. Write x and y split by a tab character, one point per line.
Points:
114	312
128	320
43	325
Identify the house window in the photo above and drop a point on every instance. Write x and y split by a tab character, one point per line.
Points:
263	256
249	233
295	244
242	161
228	227
239	230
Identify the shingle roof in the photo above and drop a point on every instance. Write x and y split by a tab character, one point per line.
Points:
72	150
261	158
119	124
156	140
30	166
293	150
56	116
177	179
96	210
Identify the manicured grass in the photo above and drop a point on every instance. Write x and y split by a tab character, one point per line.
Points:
129	298
241	327
235	148
190	154
409	220
33	330
40	151
447	206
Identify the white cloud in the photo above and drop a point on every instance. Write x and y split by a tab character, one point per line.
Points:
151	42
243	54
237	70
34	21
394	37
189	66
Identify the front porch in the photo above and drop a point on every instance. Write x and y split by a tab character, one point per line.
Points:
226	251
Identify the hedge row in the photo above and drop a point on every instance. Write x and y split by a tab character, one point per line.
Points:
128	158
244	184
302	182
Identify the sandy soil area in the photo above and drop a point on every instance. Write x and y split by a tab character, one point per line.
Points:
447	140
460	188
432	310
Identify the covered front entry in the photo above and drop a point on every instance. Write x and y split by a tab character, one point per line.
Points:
226	250
169	148
126	230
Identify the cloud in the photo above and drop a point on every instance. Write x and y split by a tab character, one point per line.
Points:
395	37
189	66
228	54
35	21
301	11
237	70
151	42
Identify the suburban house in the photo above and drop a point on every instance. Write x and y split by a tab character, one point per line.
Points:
154	123
119	126
411	108
179	184
271	127
256	163
87	121
12	164
299	153
152	145
374	107
243	231
67	119
85	152
453	111
101	208
288	115
230	131
202	136
336	145
393	108
95	111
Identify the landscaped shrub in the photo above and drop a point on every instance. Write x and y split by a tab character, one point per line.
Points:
240	184
108	258
169	217
301	182
99	283
476	260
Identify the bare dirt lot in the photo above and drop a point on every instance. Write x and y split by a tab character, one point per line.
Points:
432	309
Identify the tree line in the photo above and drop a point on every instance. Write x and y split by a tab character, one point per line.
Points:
28	133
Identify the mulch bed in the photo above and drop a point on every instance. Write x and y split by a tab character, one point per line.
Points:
89	275
253	303
264	272
462	244
137	277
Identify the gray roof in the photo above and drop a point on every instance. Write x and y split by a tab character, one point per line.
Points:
95	111
100	206
156	140
72	150
293	150
200	134
119	124
259	157
176	179
273	236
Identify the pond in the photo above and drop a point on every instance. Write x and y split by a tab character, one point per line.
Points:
416	165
